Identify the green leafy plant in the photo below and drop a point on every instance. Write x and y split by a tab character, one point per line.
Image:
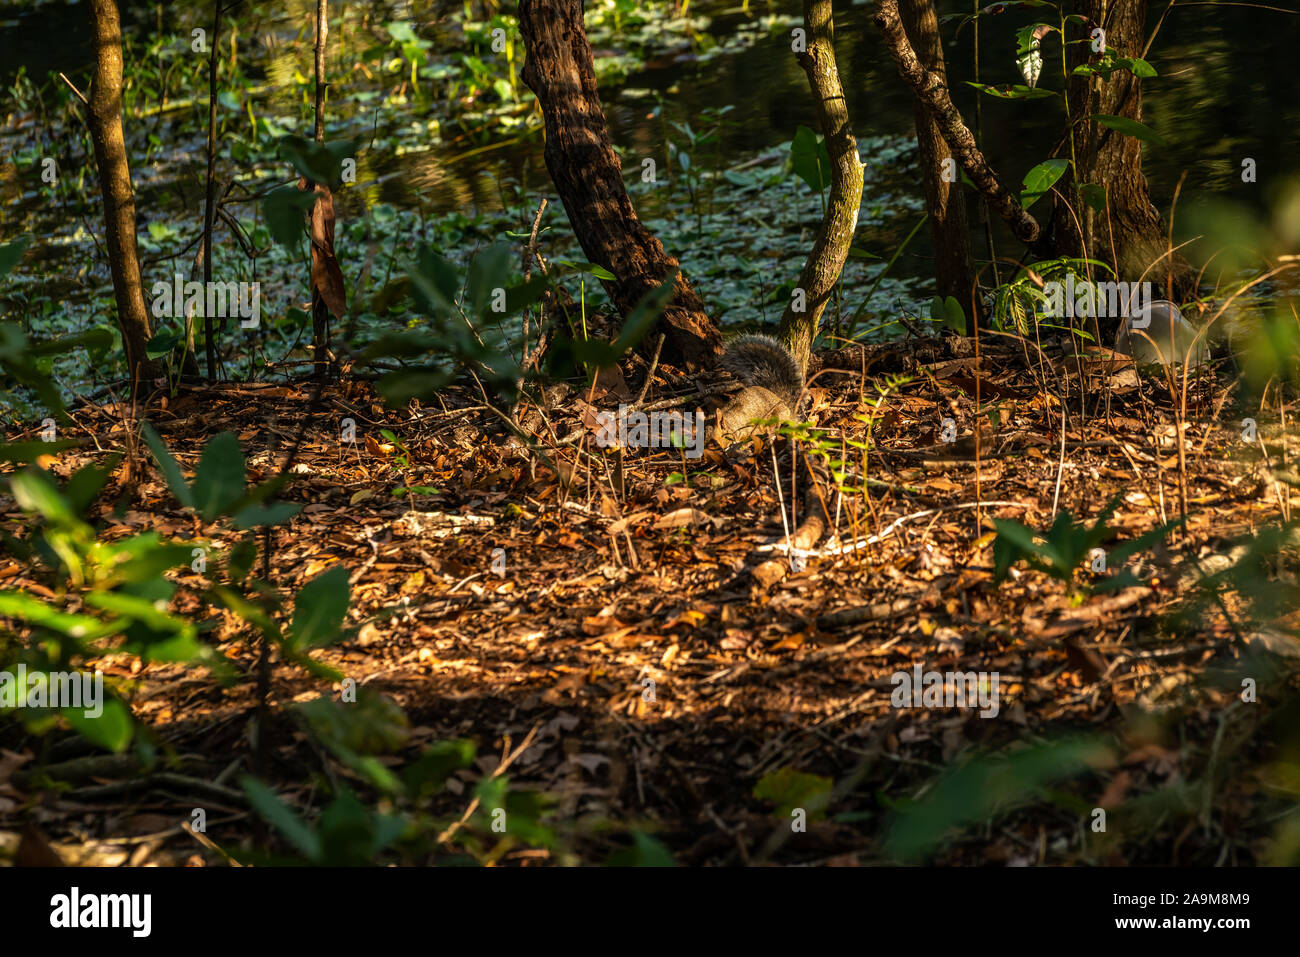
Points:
1062	550
981	788
412	47
218	492
461	309
25	365
362	735
949	312
1022	305
98	595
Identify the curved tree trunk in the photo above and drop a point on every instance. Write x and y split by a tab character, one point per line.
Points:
953	266
104	117
589	179
1134	236
831	247
931	91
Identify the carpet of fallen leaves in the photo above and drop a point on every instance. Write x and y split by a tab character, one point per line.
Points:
666	655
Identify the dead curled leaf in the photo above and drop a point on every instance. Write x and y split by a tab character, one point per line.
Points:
685	516
326	275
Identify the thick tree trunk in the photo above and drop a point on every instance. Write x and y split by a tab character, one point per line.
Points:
1130	235
104	117
589	179
831	247
954	266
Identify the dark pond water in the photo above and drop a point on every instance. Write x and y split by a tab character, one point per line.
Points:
1227	90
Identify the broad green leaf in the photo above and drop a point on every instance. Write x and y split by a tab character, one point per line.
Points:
138	609
950	313
320	608
219	481
318	162
1129	127
12	253
162	344
522	296
86	483
811	160
285	210
257	515
1014	540
96	339
489	270
373	724
145	558
35	491
168	466
25	607
1138	67
600	272
111	729
176	648
1094	196
31	451
1016	92
1040	179
402	32
857	253
278	815
435	282
1135	65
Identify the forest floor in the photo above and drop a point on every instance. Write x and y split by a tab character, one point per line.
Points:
667	666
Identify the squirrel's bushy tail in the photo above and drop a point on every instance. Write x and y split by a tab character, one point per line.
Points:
763	361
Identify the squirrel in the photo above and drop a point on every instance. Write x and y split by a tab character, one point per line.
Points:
773	386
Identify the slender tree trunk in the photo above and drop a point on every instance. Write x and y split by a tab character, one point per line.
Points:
210	192
953	265
589	179
1130	234
320	316
831	247
105	121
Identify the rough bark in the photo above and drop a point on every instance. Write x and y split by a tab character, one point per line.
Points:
104	117
931	89
1108	158
831	247
954	266
320	317
589	180
210	192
